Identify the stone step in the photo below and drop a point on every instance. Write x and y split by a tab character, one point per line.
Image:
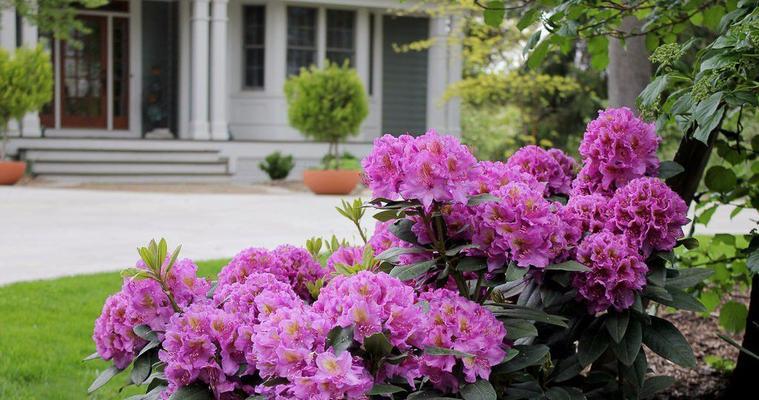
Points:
114	155
44	167
138	179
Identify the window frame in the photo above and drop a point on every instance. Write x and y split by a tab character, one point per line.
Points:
316	28
246	46
352	51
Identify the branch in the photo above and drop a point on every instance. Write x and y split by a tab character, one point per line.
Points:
478	3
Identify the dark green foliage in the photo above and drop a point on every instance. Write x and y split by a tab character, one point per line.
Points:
277	166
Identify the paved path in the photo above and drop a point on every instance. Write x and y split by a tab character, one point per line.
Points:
46	233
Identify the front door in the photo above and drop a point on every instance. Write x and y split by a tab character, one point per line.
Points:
84	72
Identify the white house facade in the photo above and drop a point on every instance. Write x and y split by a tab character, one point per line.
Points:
160	88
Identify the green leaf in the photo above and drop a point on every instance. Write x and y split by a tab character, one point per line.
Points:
340	339
706	215
592	344
689	243
530	17
518	328
682	300
386	215
710	300
514	272
655	384
664	339
651	93
570	265
480	390
669	169
472	264
527	356
92	356
194	392
537	55
103	378
141	368
720	179
707	116
687	278
530	314
567	369
657	293
637	373
393	253
732	316
481	198
382	388
752	263
440	351
616	324
627	350
494	12
402	230
409	272
531	42
378	345
144	332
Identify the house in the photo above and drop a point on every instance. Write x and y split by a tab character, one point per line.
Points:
192	90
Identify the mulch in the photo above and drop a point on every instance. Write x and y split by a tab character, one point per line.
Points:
704	382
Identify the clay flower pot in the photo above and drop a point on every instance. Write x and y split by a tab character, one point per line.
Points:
331	181
11	171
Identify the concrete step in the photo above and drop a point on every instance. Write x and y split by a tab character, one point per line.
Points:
44	167
113	155
140	179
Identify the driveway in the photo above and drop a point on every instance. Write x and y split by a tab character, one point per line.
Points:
47	233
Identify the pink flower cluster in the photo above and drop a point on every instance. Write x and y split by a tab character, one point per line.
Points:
346	255
292	264
649	214
522	226
493	175
453	322
588	213
616	274
427	168
552	167
617	148
143	302
290	344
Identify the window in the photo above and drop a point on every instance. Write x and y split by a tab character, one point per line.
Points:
301	38
253	46
341	36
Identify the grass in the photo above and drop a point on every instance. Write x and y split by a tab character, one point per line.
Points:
45	332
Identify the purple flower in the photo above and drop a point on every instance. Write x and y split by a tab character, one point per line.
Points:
616	273
493	175
617	148
114	336
554	168
588	213
346	255
649	214
291	264
426	168
521	227
456	323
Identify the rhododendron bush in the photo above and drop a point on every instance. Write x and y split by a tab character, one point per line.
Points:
520	279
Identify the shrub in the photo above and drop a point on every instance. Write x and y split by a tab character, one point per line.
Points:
277	166
327	104
26	84
478	283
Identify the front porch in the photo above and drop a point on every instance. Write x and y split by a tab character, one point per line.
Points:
215	69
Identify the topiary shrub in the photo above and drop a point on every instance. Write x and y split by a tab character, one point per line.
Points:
327	104
26	84
277	166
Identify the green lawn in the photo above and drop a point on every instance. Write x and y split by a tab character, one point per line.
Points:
45	332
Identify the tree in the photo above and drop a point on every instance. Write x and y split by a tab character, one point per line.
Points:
26	84
55	16
327	104
705	98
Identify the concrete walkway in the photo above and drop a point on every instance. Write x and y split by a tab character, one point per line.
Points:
46	233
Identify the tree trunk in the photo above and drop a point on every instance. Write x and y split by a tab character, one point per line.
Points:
629	69
693	155
743	379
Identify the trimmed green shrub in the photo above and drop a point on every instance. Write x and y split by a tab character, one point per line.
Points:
327	104
277	166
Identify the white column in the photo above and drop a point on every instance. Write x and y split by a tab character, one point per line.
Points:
437	74
362	46
219	129
183	118
8	42
377	71
275	57
199	103
321	36
31	122
135	68
455	71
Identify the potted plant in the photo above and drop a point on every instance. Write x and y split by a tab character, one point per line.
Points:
328	104
26	84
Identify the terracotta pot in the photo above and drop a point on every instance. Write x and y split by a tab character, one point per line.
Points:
330	181
11	172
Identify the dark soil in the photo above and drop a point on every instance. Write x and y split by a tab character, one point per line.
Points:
704	382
